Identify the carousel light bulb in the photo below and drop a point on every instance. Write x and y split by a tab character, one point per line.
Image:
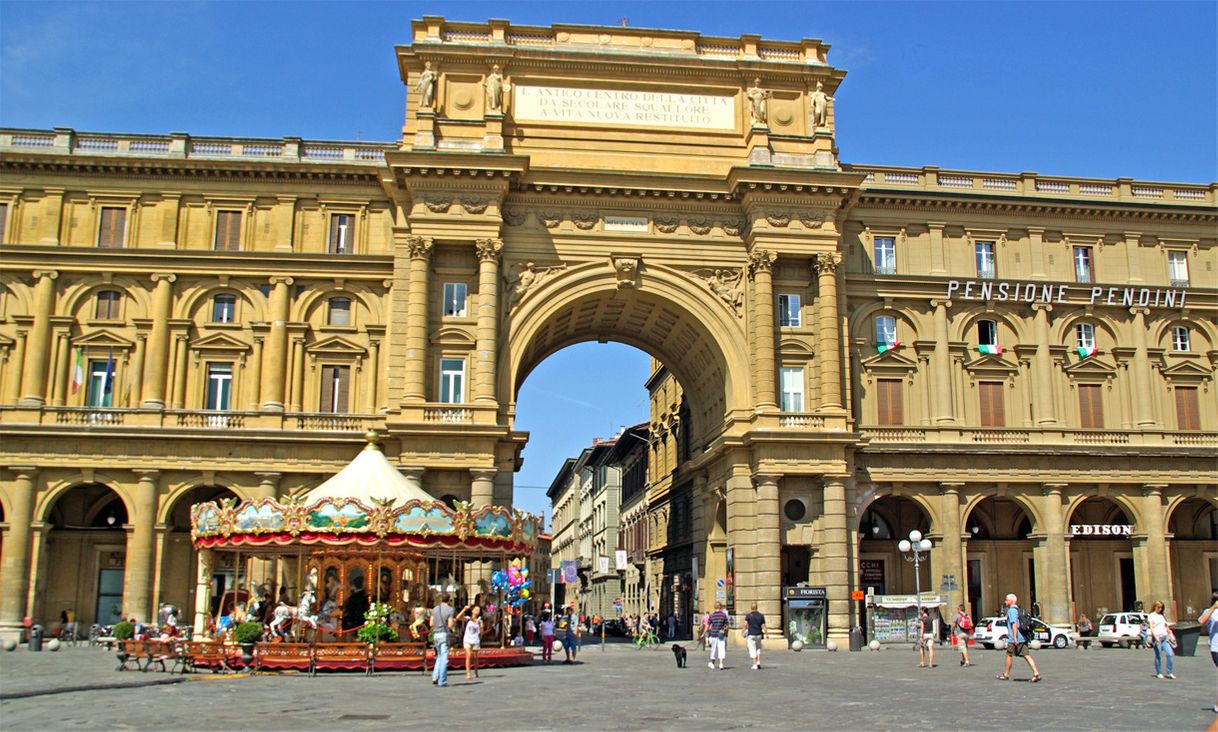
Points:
903	545
915	536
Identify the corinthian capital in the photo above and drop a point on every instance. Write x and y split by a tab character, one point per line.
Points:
761	260
827	262
420	247
488	249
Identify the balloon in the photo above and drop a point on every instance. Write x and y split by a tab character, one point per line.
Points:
524	572
525	594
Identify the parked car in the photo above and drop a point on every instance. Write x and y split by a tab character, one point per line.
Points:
990	630
1116	628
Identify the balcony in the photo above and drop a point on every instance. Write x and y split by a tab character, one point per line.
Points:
201	420
918	436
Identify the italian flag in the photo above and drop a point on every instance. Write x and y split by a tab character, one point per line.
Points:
885	347
78	371
1086	352
987	349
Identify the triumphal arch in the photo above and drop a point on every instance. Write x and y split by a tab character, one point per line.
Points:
1016	365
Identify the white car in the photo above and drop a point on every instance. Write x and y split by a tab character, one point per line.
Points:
1120	629
991	630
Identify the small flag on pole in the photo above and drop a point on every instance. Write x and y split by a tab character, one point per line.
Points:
990	349
885	347
1086	351
78	371
108	380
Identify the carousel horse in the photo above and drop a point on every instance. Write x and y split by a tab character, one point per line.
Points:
285	613
418	627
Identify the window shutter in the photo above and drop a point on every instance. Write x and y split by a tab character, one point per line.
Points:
992	414
1187	415
889	408
1090	406
342	374
228	231
111	227
327	389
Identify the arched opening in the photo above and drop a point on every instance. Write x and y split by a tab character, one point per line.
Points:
86	546
885	571
999	558
180	561
1101	558
1193	528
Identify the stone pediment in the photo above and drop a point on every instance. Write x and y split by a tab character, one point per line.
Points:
794	347
451	335
103	339
892	360
219	342
336	346
1187	371
994	364
1094	366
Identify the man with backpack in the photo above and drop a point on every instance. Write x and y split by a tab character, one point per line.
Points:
964	629
1019	632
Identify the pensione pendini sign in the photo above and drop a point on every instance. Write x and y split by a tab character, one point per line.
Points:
1033	292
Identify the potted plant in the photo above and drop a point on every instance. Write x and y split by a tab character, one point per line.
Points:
376	628
246	635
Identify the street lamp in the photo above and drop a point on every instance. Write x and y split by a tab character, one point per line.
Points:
913	549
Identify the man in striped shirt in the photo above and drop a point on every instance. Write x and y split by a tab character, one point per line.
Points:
716	633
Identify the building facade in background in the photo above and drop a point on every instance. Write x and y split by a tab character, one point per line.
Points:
1020	366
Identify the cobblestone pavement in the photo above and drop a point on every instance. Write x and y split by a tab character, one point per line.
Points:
627	689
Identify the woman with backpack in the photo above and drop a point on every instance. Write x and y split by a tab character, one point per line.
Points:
964	629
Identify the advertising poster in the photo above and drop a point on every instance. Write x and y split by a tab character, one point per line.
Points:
570	572
731	581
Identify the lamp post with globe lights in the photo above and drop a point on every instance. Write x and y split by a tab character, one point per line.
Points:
913	550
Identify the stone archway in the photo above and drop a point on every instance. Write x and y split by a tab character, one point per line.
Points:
83	560
1193	555
999	555
885	522
1101	557
177	573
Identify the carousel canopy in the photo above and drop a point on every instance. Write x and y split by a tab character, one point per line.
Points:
369	477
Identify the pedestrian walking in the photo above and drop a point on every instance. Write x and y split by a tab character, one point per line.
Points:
441	626
1162	638
717	636
1209	619
472	640
1017	643
569	628
703	625
754	633
530	630
926	640
672	626
547	637
963	627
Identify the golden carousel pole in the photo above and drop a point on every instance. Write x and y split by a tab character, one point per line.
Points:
236	588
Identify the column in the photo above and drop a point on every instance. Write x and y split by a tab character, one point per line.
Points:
767	556
156	363
700	502
482	487
12	381
203	572
762	332
298	372
944	413
1042	364
952	552
62	366
180	367
255	375
275	373
1051	576
487	334
741	498
137	370
34	376
829	340
1143	392
372	374
15	565
414	476
416	319
263	570
137	580
1154	576
835	560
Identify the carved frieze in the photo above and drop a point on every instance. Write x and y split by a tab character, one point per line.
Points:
584	221
667	225
811	220
732	227
474	205
725	284
526	279
700	227
550	219
514	217
437	205
778	218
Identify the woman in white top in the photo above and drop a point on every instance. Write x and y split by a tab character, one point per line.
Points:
1161	638
472	640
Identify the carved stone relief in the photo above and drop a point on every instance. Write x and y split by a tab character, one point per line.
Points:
812	221
700	226
584	221
513	217
474	205
528	276
550	219
437	205
726	284
778	218
627	269
667	226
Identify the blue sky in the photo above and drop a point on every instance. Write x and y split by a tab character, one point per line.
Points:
1103	89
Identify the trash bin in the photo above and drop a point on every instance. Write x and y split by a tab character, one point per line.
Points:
1186	638
856	638
35	642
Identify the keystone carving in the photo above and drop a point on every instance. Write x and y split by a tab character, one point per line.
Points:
667	226
700	227
778	218
437	205
584	221
550	219
528	276
474	205
725	284
627	269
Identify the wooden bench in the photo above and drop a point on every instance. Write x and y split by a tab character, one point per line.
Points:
212	655
130	652
399	656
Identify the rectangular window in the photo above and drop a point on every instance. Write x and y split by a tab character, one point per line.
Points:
219	387
224	309
1187	415
100	390
335	389
1180	341
111	227
3	221
1090	406
792	390
789	311
1177	268
342	234
992	414
107	305
885	256
228	231
987	333
889	406
452	380
339	312
1082	265
985	260
454	299
885	329
1084	336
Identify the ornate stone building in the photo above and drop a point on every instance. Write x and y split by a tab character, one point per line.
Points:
187	317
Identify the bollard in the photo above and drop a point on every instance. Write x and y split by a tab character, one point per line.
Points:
856	639
35	642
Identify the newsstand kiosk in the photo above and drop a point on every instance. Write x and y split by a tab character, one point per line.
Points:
807	615
894	618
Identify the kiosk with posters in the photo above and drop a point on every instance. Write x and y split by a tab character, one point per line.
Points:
893	618
806	615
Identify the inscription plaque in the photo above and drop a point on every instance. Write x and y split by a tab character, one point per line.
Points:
624	107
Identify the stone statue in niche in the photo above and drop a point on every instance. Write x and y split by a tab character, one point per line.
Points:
758	103
495	87
820	106
426	87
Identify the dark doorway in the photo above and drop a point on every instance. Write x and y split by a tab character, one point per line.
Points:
1128	586
795	565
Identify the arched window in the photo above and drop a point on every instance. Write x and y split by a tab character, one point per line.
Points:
107	307
224	309
885	329
339	312
987	333
1180	341
1084	338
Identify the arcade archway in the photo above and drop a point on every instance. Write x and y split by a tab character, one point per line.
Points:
1193	528
881	567
179	560
84	555
999	554
1101	557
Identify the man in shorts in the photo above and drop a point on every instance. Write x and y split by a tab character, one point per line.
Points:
754	632
926	640
1017	645
716	633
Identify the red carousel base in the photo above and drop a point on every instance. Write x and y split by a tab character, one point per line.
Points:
384	657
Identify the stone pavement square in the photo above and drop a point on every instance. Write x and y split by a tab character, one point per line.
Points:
626	689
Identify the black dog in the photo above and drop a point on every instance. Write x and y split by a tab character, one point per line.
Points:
679	652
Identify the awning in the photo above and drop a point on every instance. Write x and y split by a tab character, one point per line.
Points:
908	600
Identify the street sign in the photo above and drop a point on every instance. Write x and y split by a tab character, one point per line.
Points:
858	595
719	583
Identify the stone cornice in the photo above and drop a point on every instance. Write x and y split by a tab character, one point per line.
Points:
944	202
16	161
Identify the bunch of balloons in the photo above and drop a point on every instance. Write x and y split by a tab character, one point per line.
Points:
514	582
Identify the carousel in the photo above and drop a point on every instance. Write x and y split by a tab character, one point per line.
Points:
342	577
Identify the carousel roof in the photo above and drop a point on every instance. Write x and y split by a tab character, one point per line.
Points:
368	477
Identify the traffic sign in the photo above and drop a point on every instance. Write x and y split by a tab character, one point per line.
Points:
858	595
